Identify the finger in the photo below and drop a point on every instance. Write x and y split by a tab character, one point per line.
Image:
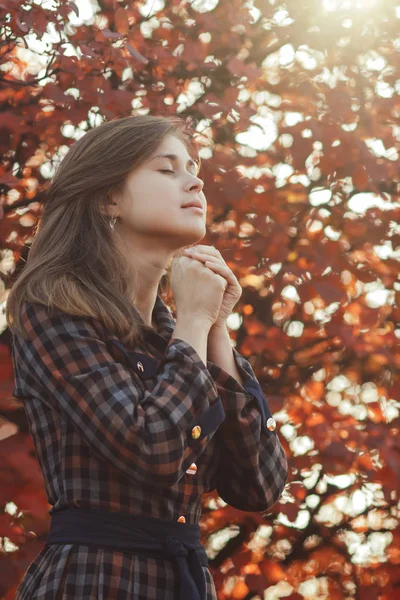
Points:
221	270
210	250
178	253
203	257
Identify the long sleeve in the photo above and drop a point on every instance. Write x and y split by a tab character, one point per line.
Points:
253	468
150	436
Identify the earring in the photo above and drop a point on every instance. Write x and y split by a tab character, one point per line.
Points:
112	222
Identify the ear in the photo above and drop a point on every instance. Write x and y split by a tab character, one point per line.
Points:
109	208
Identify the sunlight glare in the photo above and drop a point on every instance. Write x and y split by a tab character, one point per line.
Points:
86	10
260	136
332	5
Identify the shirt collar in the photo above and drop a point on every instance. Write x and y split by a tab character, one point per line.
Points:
165	323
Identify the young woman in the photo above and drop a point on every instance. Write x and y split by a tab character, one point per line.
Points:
131	422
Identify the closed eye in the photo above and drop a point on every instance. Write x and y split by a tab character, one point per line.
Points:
166	171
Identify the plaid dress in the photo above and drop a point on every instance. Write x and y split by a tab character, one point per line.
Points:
119	429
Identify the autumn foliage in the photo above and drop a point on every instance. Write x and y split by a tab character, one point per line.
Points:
303	207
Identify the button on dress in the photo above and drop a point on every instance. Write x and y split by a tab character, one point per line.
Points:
139	431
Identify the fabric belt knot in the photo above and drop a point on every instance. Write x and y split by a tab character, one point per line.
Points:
145	536
193	584
173	547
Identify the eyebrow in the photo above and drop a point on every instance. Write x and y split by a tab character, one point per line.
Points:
175	158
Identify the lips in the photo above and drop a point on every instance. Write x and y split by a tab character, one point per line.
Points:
193	203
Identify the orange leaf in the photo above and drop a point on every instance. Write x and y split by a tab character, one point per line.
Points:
121	21
240	590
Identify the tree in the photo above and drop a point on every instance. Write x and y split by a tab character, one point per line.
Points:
298	107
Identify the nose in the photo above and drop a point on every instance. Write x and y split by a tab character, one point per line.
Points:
195	183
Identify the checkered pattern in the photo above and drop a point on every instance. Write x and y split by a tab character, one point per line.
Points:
112	430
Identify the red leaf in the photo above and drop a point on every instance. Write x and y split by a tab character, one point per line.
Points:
111	34
360	177
73	7
54	93
5	524
88	51
391	453
327	291
136	54
23	26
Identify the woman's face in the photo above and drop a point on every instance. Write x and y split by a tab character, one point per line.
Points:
151	210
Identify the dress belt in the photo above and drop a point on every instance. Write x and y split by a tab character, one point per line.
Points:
146	536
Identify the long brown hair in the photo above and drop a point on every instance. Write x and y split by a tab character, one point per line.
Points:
73	264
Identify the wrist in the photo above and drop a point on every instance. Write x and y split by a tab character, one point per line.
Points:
219	327
194	322
218	332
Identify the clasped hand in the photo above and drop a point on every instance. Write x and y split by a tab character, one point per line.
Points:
212	259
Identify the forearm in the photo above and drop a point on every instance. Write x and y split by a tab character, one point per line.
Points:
194	332
219	352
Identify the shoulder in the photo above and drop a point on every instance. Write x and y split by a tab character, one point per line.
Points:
40	319
73	337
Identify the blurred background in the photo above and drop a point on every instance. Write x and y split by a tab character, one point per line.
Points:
297	112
